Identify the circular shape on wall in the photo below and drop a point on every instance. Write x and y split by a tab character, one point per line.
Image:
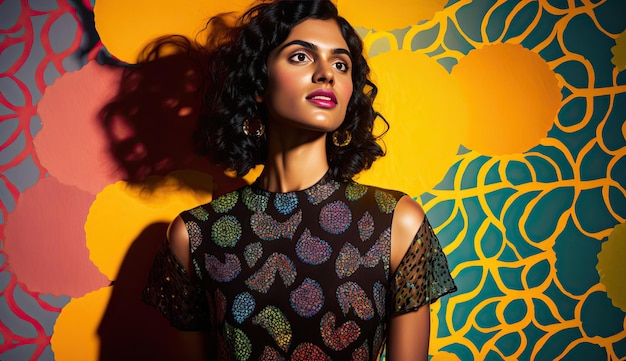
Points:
45	240
619	52
121	212
71	144
75	335
611	266
127	27
427	114
513	98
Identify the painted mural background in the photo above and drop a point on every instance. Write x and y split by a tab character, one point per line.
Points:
508	125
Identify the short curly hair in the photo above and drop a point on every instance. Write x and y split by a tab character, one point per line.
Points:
238	75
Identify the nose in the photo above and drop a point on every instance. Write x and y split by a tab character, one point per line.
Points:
324	74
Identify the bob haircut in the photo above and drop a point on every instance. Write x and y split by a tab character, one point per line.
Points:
237	75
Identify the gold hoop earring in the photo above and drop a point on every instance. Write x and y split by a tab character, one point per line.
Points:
256	130
345	135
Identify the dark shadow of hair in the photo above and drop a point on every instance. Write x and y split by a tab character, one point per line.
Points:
150	123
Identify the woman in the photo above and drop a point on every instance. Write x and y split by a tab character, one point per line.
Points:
305	263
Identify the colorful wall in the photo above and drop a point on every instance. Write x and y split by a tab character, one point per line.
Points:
507	124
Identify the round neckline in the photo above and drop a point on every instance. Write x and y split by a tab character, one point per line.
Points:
322	181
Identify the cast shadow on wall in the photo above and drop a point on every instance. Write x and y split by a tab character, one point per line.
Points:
130	329
149	126
150	123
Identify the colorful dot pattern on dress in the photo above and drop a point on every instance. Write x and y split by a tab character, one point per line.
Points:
307	299
195	235
225	203
361	353
366	226
286	203
338	338
321	191
239	342
226	231
349	259
252	253
312	250
269	354
386	202
351	296
243	306
200	213
379	297
276	324
308	351
264	278
269	229
222	272
354	191
254	201
335	217
304	275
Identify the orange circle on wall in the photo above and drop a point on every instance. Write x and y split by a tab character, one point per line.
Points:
122	211
127	27
513	98
611	266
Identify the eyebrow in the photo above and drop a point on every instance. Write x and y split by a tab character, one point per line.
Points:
312	46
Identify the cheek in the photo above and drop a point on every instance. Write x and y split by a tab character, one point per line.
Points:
346	91
286	82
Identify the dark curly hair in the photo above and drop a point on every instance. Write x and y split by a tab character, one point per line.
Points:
238	75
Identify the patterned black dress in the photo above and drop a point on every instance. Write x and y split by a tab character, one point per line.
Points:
297	276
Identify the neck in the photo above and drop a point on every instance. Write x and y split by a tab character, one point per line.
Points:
294	162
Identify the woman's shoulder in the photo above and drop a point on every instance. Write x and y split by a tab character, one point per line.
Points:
386	198
408	214
409	217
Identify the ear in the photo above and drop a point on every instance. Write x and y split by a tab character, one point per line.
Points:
258	98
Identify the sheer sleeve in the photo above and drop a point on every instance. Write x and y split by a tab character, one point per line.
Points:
177	295
422	275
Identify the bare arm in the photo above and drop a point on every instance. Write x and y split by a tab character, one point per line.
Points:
408	332
193	345
179	243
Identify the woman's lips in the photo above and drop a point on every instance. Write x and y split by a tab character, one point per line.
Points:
323	98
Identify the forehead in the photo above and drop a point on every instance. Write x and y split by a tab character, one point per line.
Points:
323	33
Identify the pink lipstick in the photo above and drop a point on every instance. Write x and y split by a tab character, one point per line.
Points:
323	98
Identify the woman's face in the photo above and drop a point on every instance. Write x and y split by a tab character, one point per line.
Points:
310	78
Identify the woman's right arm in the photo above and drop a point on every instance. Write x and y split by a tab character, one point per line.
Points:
193	344
179	243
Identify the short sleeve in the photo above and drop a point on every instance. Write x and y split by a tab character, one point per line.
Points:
177	295
423	275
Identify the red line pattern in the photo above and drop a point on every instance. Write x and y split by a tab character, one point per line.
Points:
23	32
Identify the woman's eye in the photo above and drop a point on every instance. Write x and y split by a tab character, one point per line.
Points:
342	67
299	57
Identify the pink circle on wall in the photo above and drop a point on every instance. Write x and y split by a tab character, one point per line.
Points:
72	145
45	240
